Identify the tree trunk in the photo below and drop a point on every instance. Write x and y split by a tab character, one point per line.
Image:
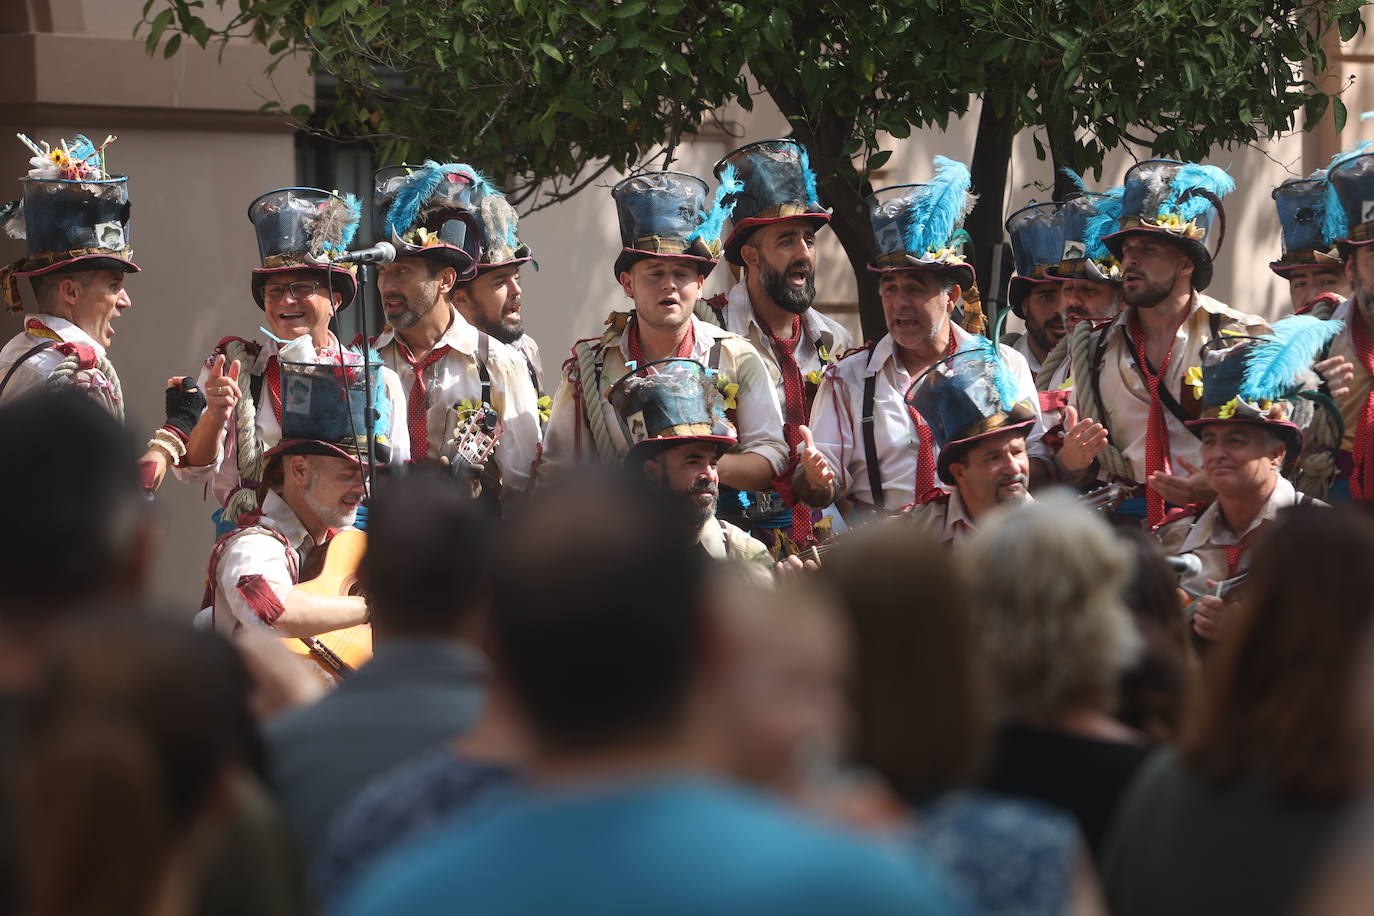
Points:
991	159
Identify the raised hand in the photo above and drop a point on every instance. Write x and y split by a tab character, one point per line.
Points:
817	470
1180	489
184	403
1083	440
222	389
1337	372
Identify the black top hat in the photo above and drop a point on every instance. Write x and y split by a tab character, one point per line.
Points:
774	182
302	229
920	226
663	215
666	403
501	246
431	210
1087	219
1037	244
1301	205
324	411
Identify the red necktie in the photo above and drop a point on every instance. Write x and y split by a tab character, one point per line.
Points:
793	416
272	377
1157	431
925	454
417	406
684	348
1234	551
1362	451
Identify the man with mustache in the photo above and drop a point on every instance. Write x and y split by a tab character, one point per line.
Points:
1136	381
669	246
297	229
981	435
772	238
1037	241
451	371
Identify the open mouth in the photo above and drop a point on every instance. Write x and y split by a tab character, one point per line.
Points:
290	316
667	302
798	277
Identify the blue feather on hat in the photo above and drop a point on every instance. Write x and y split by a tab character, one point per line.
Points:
813	200
987	352
712	224
1335	225
1074	177
405	207
1102	223
1276	363
938	207
1203	177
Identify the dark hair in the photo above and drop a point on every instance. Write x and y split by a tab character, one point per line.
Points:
922	709
130	732
1279	689
596	614
74	499
1153	691
426	567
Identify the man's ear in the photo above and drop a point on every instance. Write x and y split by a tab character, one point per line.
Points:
626	285
69	290
448	279
749	253
956	294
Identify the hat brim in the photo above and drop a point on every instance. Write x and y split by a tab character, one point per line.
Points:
326	449
343	281
1020	288
513	262
84	262
632	256
650	448
952	451
740	231
1195	250
1321	261
961	273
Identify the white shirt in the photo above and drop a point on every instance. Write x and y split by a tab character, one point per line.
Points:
758	416
455	378
817	332
255	552
222	474
33	373
723	541
837	413
1023	347
528	348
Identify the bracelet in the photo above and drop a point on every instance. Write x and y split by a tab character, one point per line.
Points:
167	443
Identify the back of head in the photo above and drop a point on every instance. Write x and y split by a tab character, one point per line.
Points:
1280	690
921	708
74	501
1047	585
1155	689
426	569
131	731
596	613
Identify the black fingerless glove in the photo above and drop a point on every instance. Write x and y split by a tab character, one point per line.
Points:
185	403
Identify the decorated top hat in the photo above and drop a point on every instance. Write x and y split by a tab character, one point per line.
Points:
669	402
1301	203
1180	202
73	216
324	411
302	229
1087	219
1349	216
1266	380
501	246
1037	244
768	181
663	215
967	397
431	211
920	226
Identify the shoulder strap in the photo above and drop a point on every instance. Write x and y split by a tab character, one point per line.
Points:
31	352
875	476
713	357
483	373
1214	321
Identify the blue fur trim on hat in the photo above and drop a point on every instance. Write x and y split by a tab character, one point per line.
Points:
938	207
1193	175
712	224
1275	364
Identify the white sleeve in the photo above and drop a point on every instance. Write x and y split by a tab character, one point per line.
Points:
254	555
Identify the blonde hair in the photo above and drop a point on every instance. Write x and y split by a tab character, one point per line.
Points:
1047	582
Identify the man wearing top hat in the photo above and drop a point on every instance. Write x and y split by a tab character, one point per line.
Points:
1037	243
491	300
450	370
1089	274
298	292
670	243
980	419
775	218
1311	263
316	478
882	453
1135	380
1250	429
672	412
74	218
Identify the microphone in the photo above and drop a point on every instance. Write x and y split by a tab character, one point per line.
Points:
1185	565
380	253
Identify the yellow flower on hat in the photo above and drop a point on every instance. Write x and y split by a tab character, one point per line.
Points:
1228	410
728	389
1194	378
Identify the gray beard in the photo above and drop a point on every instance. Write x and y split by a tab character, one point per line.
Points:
700	514
411	316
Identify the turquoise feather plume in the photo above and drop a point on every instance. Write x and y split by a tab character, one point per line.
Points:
1275	364
981	348
1335	226
1076	178
712	224
1105	221
1193	175
419	186
938	207
813	200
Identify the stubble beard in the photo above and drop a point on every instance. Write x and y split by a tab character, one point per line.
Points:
1151	294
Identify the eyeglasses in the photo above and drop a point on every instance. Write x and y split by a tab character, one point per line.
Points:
298	290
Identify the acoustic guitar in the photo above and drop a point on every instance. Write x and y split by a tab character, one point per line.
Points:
341	651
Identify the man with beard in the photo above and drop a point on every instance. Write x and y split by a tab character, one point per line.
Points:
1311	262
297	229
670	243
883	452
774	223
979	420
491	300
1037	242
451	371
1139	372
316	477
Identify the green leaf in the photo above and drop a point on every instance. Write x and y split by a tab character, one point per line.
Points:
1338	114
627	10
459	42
604	46
172	45
879	159
551	52
160	23
331	13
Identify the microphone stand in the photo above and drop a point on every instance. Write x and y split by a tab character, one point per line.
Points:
364	274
